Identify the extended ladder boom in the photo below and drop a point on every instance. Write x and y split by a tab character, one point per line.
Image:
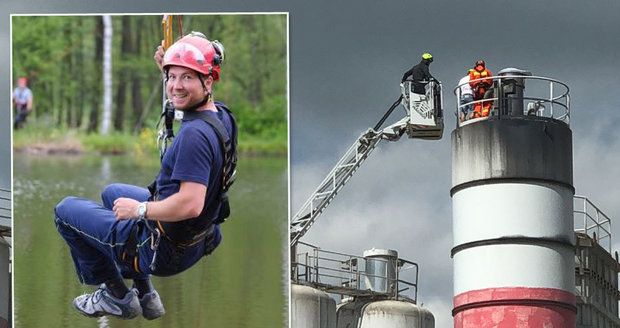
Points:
335	180
423	120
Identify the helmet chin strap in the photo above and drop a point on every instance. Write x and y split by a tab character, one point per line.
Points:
199	104
204	100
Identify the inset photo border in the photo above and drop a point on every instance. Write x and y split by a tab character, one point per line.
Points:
97	118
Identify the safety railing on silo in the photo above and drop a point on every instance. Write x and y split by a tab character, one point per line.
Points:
345	274
596	268
542	96
591	221
5	212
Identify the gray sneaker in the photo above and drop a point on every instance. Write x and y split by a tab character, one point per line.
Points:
152	307
101	302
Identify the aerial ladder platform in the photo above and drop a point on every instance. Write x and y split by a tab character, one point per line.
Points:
423	120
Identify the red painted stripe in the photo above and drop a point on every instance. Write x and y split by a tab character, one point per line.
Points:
507	293
514	307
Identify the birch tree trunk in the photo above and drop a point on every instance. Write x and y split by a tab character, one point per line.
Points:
107	75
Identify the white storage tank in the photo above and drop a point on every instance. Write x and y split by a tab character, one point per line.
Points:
349	312
311	308
512	203
395	314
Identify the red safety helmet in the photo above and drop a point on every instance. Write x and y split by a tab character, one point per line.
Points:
195	52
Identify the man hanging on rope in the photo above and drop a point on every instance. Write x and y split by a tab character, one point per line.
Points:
137	232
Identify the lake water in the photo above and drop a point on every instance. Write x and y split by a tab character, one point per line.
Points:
242	284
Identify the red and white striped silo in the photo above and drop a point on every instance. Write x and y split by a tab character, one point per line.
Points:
512	199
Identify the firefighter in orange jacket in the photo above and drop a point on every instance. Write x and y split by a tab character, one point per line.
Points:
481	82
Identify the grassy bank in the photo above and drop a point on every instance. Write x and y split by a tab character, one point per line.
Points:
38	139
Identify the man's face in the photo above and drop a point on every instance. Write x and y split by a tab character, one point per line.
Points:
22	83
184	88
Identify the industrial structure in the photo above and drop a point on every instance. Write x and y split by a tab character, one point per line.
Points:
596	270
5	263
378	289
424	120
512	202
526	252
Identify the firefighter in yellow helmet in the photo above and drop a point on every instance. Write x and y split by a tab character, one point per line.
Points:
419	74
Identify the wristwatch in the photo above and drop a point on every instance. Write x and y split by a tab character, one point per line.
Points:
142	210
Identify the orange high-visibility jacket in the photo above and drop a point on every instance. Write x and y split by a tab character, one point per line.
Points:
473	74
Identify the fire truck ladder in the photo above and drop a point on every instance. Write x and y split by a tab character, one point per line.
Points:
424	120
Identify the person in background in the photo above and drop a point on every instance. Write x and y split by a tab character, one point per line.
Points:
420	74
22	100
466	96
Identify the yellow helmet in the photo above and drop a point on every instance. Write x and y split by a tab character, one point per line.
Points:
427	56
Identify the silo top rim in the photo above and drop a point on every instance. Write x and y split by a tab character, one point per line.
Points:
380	252
514	71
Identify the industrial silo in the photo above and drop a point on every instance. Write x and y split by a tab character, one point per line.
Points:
311	308
381	269
4	283
395	314
349	312
512	196
383	307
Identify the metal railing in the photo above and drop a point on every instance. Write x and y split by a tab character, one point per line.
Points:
346	274
590	220
595	276
5	212
551	99
426	109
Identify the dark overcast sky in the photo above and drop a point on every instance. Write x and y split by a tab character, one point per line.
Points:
347	58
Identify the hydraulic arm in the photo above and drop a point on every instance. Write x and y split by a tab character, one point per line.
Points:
424	120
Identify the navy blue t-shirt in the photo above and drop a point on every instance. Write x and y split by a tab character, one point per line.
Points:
196	156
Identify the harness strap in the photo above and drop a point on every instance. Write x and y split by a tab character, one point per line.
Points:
228	149
220	130
207	234
230	158
228	143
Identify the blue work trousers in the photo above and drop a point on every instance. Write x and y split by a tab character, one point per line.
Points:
97	240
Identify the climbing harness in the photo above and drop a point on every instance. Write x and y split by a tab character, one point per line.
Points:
228	144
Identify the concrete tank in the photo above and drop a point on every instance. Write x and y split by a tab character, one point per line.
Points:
349	312
395	314
311	308
512	201
4	283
